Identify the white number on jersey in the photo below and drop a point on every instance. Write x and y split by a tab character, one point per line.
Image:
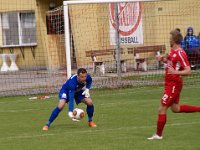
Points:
164	98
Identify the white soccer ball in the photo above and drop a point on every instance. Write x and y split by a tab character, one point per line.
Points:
78	113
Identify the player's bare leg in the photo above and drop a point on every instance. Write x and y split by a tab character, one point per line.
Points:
90	110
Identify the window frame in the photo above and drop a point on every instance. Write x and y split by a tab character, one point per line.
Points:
20	37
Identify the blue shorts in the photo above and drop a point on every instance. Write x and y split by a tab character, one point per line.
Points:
78	96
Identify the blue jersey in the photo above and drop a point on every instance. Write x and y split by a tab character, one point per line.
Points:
191	42
72	87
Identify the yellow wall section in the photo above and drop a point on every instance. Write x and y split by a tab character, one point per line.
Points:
44	58
90	25
28	61
90	29
53	47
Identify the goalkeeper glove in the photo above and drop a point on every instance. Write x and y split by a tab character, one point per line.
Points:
86	93
71	116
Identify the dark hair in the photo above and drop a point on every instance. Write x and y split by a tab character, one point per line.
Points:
176	36
81	70
177	29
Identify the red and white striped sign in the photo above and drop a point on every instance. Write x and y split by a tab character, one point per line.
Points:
130	23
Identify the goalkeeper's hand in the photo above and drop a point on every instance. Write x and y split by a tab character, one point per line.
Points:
71	116
86	93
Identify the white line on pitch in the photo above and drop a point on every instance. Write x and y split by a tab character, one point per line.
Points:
103	104
94	131
14	111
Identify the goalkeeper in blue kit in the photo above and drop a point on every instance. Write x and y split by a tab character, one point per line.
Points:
76	87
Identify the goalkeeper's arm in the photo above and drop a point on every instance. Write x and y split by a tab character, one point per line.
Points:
88	86
71	104
88	82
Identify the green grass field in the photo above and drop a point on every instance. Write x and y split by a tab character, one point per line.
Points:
125	118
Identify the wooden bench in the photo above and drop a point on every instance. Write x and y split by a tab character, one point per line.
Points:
95	53
142	61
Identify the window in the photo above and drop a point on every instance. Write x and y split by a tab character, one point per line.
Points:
18	28
55	22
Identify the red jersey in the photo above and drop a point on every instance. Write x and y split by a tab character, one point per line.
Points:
178	60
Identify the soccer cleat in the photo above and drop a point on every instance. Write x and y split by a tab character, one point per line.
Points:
92	124
45	128
155	137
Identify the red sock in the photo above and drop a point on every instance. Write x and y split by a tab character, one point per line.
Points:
189	109
162	118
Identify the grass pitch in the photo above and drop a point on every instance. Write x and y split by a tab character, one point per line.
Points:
125	118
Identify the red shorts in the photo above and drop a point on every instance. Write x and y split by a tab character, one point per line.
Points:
171	95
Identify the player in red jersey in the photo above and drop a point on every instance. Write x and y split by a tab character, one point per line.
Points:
177	65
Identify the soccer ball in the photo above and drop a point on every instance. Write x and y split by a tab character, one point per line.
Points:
78	113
